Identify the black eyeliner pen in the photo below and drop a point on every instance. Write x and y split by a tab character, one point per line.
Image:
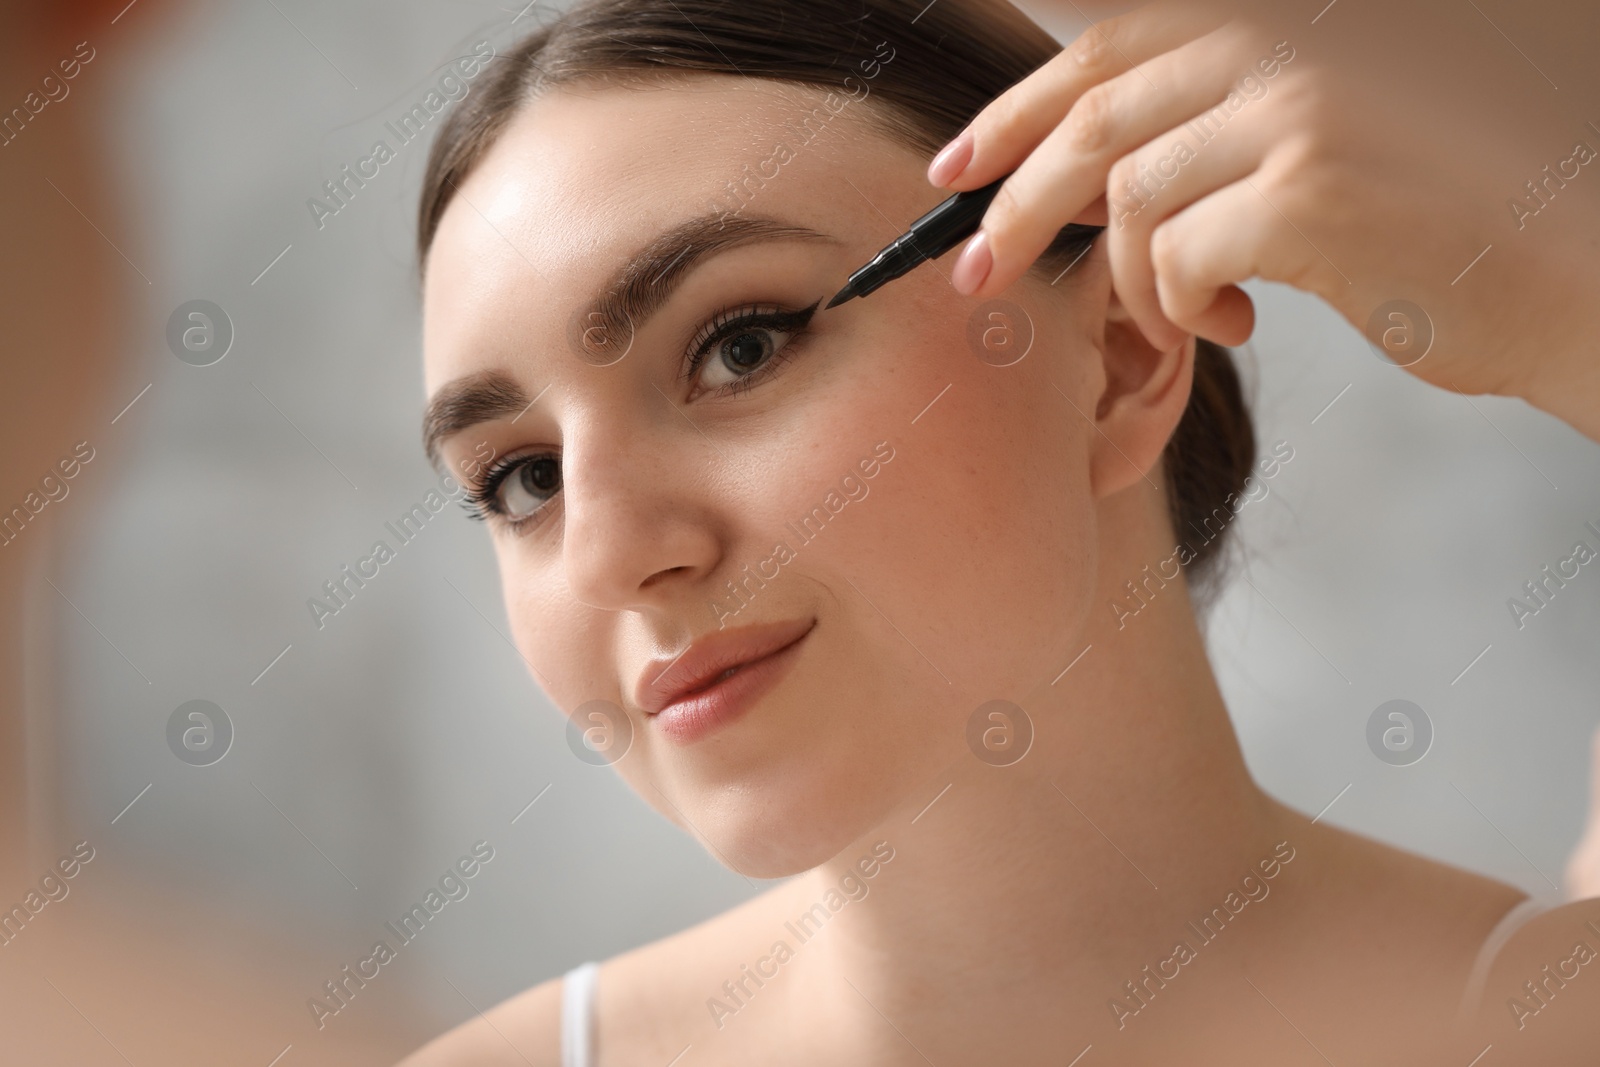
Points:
930	237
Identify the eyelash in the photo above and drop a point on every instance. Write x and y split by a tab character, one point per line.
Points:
482	499
730	322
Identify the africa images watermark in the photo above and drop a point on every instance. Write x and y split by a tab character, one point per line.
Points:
52	89
1542	189
340	590
739	192
739	991
1204	129
1183	553
810	525
53	488
594	341
1551	579
1555	978
453	886
1142	989
53	888
409	125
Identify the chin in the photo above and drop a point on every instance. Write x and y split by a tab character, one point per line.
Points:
781	825
805	777
766	853
763	857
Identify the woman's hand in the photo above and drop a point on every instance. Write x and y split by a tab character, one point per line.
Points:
1409	164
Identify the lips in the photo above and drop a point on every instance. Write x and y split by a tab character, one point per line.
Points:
710	658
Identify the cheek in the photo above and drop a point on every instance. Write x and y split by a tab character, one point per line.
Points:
557	637
964	575
977	540
575	653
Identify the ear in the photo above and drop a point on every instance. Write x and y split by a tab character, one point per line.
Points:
1145	393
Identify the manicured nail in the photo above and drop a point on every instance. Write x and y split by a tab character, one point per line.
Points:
951	161
972	269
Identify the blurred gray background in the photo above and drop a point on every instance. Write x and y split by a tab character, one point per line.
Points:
372	753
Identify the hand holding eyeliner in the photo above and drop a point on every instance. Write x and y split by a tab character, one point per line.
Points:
930	237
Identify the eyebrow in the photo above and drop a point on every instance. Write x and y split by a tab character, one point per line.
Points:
634	293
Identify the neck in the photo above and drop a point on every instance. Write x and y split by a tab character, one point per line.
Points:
1131	816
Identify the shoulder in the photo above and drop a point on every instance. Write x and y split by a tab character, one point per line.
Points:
1542	993
1400	918
524	1030
1390	943
1402	897
653	1000
648	999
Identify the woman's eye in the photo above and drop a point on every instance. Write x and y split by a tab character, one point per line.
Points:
738	347
526	486
740	354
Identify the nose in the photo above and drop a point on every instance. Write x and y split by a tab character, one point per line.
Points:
638	522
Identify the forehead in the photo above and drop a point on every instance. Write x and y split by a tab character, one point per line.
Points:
581	178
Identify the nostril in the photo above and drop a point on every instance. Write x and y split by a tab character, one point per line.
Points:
659	576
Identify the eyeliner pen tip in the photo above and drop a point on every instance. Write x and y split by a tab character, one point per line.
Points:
844	294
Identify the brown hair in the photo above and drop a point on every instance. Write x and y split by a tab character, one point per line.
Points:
950	59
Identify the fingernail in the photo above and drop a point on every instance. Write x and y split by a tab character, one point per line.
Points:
951	161
972	269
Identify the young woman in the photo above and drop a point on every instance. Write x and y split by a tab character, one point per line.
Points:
897	598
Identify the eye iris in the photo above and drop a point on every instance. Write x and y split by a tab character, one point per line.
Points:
529	486
541	476
745	351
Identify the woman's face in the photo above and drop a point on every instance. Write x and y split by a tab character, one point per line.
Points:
923	516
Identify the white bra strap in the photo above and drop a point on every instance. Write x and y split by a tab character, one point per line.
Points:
578	988
1508	925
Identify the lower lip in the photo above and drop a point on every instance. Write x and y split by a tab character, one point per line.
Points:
695	716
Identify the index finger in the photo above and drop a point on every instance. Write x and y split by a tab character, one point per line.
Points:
1005	132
